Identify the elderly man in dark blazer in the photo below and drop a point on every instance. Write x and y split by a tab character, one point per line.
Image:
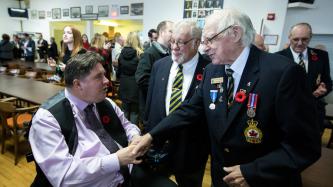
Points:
187	149
315	63
259	110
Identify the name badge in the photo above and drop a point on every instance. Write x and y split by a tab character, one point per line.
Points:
216	80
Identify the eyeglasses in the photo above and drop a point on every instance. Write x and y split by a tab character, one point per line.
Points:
303	40
180	43
209	41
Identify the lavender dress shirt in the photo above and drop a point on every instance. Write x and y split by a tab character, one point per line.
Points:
92	164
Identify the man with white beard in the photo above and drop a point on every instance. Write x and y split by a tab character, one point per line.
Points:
174	79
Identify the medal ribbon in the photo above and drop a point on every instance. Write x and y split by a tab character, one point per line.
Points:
213	95
252	103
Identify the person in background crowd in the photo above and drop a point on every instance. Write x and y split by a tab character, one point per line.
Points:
29	48
6	48
128	89
53	50
118	46
100	46
152	35
158	50
85	41
259	42
173	80
258	108
314	61
100	155
17	47
42	47
71	45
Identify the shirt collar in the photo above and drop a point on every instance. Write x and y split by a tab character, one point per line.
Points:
296	55
80	104
239	64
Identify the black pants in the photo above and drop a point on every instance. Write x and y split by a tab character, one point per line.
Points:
143	176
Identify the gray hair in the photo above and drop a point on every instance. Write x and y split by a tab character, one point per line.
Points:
227	17
80	65
301	24
195	31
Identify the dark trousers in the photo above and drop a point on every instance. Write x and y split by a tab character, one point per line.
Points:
131	111
143	176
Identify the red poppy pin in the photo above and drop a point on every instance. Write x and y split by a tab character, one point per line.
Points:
314	56
105	119
240	96
199	77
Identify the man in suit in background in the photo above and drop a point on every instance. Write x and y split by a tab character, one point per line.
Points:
158	50
314	61
173	80
258	108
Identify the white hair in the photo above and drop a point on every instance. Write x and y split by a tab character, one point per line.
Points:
195	31
227	17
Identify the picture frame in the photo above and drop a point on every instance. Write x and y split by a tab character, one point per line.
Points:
34	14
75	12
271	39
89	9
56	13
65	12
41	14
49	14
124	9
136	9
103	11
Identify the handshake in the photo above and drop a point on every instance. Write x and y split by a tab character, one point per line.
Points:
132	154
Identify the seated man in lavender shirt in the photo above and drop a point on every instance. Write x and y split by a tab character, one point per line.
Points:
79	137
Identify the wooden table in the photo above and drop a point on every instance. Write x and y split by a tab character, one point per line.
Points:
320	174
29	90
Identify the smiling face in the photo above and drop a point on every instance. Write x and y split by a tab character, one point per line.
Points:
93	88
183	46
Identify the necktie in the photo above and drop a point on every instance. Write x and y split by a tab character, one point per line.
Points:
177	87
96	126
230	89
301	61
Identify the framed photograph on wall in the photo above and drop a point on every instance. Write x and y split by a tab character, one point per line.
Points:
89	9
103	11
49	14
65	12
271	39
41	14
56	13
124	9
75	12
136	9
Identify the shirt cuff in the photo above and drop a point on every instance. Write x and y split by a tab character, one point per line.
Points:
110	163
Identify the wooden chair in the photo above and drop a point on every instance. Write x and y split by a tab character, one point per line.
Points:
13	122
329	125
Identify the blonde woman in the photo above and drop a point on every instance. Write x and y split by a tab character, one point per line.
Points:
128	89
100	45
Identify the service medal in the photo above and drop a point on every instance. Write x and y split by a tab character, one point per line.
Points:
252	133
252	105
251	112
213	97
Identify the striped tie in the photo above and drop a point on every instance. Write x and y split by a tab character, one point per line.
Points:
230	90
177	87
301	61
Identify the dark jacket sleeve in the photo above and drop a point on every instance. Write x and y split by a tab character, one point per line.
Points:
143	71
326	77
300	140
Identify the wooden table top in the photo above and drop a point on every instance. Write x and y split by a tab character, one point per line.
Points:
27	89
320	174
34	65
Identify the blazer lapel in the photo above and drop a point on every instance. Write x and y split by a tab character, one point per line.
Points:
248	81
196	77
164	77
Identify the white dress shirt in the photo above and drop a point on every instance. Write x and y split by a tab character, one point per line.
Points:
305	57
188	72
92	163
238	67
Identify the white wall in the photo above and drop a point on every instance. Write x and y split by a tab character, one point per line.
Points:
257	10
8	25
318	17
